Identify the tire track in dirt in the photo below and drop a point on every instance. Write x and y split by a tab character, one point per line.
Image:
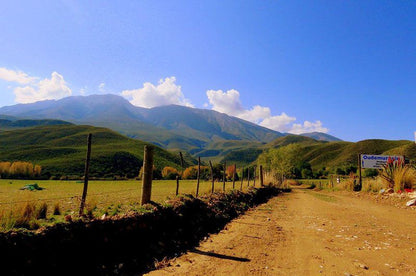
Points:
308	233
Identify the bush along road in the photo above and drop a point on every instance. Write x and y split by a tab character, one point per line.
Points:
127	244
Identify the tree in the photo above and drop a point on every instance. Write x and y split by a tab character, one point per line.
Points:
281	162
169	173
4	169
37	170
350	169
306	173
218	170
340	171
192	172
230	172
303	170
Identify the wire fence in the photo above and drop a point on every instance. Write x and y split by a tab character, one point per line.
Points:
114	197
111	196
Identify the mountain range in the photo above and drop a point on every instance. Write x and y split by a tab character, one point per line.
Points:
171	127
52	133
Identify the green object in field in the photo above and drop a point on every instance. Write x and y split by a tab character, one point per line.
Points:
32	187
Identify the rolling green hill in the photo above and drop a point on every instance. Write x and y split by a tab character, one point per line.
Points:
7	124
343	154
319	154
61	150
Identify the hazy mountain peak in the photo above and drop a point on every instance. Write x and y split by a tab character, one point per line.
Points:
320	136
171	126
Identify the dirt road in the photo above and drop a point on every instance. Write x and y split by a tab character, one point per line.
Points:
308	233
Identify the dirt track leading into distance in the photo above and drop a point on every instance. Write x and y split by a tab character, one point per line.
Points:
308	233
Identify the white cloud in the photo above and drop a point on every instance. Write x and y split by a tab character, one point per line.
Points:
35	89
101	87
256	114
150	95
229	103
225	102
46	89
279	122
15	76
308	127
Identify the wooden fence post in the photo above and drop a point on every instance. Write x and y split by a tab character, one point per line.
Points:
261	176
181	172
198	176
235	169
254	176
242	177
248	177
212	176
147	174
223	177
177	184
360	178
86	172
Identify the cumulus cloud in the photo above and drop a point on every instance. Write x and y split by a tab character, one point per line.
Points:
46	89
229	103
32	89
15	76
225	102
308	127
164	93
279	122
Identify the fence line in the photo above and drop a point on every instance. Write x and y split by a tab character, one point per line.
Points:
145	192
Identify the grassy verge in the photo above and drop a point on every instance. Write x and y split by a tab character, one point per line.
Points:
60	199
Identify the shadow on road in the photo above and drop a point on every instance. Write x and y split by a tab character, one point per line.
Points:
220	256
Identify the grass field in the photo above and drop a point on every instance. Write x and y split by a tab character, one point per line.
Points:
104	197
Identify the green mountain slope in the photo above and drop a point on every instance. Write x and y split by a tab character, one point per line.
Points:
206	125
229	150
61	150
172	127
342	154
15	124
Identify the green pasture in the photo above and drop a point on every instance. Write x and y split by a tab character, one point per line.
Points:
104	197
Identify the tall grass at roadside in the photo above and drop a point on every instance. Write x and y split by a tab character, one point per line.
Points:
62	198
397	175
346	184
373	185
268	178
23	215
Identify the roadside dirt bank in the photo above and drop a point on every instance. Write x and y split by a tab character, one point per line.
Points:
308	233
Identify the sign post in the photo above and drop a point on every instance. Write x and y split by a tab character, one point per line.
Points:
371	161
360	179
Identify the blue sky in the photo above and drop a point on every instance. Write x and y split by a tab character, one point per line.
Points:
347	68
